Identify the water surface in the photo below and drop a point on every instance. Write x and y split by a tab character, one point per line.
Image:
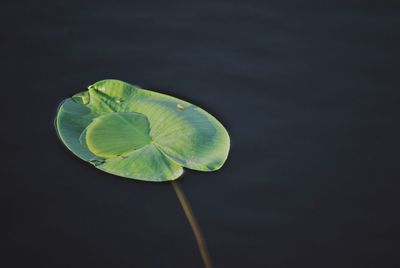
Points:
309	93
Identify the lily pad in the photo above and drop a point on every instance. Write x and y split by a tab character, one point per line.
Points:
140	134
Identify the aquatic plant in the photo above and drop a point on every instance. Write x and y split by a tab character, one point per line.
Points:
144	135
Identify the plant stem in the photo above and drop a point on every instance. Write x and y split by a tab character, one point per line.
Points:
201	243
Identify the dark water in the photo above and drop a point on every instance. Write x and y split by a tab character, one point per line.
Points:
308	91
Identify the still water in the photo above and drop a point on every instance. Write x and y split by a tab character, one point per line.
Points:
308	93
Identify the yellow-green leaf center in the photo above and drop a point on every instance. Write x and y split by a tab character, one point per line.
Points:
116	134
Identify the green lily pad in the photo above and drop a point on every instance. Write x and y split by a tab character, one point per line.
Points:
140	134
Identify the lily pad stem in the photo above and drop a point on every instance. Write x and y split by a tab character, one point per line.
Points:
201	243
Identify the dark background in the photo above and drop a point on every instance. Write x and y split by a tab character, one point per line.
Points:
309	92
